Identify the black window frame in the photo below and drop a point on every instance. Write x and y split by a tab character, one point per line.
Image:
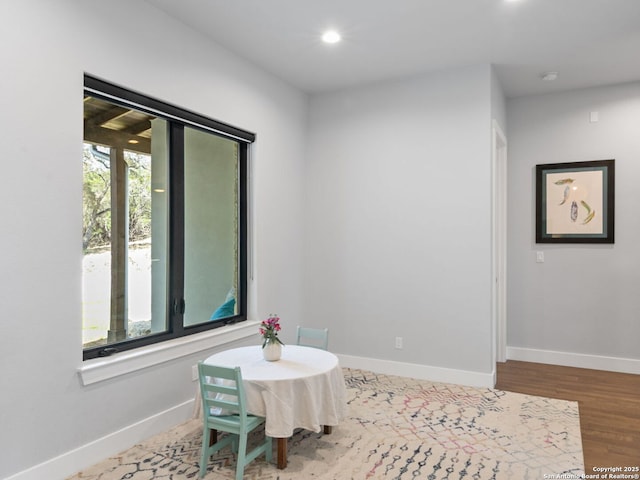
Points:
177	119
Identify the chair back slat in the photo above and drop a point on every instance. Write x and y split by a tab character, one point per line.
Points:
231	407
220	388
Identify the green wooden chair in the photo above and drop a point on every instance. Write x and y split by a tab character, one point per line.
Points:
313	337
223	392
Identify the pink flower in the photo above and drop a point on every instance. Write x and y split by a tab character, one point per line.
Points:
269	329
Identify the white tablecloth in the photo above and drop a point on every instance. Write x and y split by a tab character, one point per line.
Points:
304	389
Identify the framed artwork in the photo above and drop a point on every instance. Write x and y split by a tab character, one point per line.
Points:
575	202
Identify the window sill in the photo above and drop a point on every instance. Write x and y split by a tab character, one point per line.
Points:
100	369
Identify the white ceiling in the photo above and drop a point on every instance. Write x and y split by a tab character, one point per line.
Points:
589	42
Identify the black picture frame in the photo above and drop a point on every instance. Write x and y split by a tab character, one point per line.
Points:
575	202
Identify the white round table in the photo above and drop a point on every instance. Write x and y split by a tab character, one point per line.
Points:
304	389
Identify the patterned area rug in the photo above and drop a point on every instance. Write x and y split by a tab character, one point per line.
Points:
398	428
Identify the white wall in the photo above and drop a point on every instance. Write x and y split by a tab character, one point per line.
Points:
581	306
45	47
398	239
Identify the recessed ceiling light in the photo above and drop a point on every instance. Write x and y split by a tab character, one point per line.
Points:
331	36
549	76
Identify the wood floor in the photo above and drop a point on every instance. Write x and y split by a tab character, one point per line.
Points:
609	406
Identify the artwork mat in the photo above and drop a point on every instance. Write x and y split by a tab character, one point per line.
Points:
586	187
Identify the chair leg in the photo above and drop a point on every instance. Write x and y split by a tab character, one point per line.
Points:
269	451
208	450
242	455
204	459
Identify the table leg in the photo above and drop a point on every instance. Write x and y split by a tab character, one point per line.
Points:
282	452
327	429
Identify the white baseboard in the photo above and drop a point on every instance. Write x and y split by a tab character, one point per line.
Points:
423	372
579	360
94	452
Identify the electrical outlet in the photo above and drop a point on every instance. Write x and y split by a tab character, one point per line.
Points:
399	343
194	372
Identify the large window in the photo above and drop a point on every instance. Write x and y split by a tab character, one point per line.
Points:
164	221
